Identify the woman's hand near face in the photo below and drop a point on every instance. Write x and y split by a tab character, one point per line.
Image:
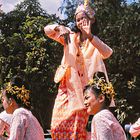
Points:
86	28
63	32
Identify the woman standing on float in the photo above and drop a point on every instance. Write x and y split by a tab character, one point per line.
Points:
83	56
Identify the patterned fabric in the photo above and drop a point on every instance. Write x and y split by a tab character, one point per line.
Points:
67	125
69	117
106	127
25	126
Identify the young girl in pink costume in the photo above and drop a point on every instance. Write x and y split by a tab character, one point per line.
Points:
16	101
97	98
83	56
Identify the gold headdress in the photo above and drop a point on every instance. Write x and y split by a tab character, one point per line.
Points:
85	8
86	3
106	88
21	93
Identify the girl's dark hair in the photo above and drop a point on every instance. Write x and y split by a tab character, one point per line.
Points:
19	82
97	90
94	28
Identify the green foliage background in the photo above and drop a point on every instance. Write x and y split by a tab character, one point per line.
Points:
26	51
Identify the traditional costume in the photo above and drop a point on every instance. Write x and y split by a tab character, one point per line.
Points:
79	63
105	127
25	126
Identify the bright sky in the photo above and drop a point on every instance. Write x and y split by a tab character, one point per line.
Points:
51	6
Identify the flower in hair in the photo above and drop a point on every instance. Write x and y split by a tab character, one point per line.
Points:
21	93
106	88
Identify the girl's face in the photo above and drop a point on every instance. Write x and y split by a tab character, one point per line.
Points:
6	103
81	19
91	102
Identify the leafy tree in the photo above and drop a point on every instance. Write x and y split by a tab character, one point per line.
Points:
26	51
119	25
31	8
11	21
0	9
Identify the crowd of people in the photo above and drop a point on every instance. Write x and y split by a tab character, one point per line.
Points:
84	89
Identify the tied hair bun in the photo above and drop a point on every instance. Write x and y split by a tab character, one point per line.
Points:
19	82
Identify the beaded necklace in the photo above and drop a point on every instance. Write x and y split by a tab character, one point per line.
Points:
84	46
